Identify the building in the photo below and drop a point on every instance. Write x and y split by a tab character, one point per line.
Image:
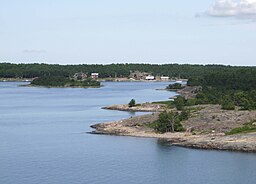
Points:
137	75
165	78
150	77
80	76
95	75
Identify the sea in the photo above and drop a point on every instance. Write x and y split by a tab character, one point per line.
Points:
44	140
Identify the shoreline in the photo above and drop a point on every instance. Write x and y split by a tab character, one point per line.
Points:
206	135
100	80
144	107
239	142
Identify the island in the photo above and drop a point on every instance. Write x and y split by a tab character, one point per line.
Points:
59	81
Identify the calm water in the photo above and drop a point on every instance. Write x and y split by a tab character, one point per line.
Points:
43	141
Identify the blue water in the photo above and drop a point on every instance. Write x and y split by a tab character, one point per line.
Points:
43	141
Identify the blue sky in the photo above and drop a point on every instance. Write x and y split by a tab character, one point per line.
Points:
128	31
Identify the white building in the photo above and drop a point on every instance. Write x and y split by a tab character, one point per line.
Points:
150	77
95	75
165	78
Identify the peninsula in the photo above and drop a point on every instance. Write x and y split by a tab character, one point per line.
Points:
217	111
209	127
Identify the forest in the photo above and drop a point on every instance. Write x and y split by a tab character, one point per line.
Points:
230	89
8	70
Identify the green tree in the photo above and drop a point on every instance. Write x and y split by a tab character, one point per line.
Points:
239	97
246	104
184	115
168	122
179	102
132	103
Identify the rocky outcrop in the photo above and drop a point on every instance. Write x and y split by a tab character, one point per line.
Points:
128	126
241	142
189	92
145	107
208	118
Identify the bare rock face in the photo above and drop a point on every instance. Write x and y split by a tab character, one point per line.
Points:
212	118
189	92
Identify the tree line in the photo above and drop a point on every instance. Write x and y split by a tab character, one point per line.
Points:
9	70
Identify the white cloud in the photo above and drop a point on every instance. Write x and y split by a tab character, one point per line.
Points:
233	8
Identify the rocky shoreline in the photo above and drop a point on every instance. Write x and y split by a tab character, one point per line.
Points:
145	107
206	130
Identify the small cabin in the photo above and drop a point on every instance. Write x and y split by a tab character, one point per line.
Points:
150	77
95	75
165	78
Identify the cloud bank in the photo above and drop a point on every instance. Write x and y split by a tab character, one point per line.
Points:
233	8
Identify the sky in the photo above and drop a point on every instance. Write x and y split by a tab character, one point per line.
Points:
128	31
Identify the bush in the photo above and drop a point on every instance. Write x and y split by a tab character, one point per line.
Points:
227	103
174	86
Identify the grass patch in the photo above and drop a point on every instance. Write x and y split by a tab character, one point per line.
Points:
150	125
137	105
169	103
247	128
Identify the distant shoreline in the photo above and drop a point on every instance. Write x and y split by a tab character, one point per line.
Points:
100	80
30	85
15	79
